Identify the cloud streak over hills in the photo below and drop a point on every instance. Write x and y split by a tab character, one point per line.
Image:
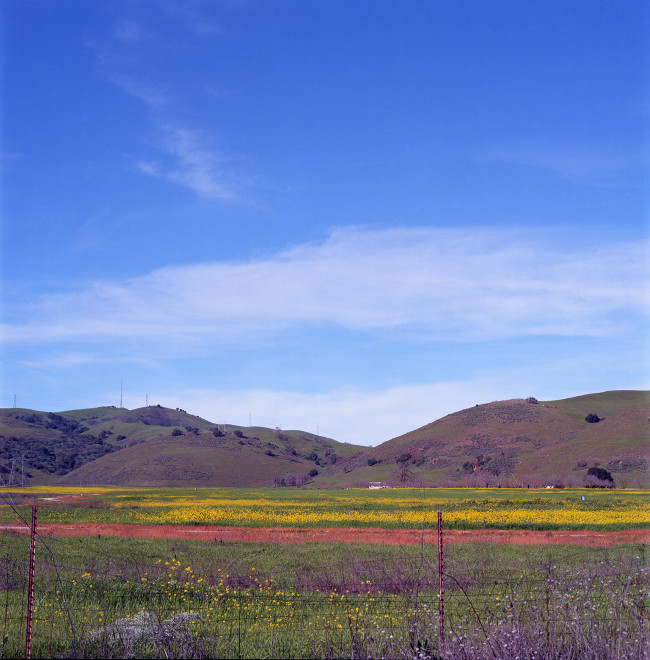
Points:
439	284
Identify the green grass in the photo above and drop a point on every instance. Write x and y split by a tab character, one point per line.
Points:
323	600
602	403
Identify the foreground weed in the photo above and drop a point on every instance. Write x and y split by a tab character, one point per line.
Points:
557	603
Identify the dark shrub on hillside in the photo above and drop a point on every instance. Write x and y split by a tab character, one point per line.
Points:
600	473
500	465
373	461
177	432
598	477
313	473
403	458
592	418
239	434
217	432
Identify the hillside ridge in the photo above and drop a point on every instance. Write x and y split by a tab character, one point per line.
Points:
110	445
515	442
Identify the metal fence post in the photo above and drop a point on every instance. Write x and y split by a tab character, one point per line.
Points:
30	593
441	582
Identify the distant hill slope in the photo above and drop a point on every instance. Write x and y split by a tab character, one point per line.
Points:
515	442
195	459
154	446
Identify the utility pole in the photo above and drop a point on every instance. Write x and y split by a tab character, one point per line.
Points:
14	400
121	406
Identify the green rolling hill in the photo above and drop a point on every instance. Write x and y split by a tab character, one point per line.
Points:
515	442
518	442
155	446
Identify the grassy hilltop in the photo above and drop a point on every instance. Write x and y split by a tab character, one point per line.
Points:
516	442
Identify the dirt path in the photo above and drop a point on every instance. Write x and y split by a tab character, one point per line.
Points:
338	535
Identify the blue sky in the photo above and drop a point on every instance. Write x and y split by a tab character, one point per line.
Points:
350	217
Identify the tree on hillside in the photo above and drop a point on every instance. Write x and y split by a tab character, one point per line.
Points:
592	418
598	477
403	474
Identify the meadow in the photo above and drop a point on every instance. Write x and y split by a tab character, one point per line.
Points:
502	508
102	596
110	597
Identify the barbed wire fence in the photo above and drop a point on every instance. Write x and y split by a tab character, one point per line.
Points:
123	606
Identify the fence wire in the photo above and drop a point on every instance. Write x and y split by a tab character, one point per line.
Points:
591	604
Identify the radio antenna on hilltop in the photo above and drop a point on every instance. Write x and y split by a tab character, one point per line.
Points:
121	406
147	399
14	400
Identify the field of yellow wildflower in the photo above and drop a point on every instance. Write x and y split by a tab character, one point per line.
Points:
390	508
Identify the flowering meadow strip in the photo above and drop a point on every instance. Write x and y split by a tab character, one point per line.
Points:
407	508
218	513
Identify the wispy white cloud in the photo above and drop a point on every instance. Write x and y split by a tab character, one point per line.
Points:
149	94
193	165
604	164
469	284
76	359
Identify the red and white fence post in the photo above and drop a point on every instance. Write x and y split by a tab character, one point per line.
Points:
30	593
441	582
